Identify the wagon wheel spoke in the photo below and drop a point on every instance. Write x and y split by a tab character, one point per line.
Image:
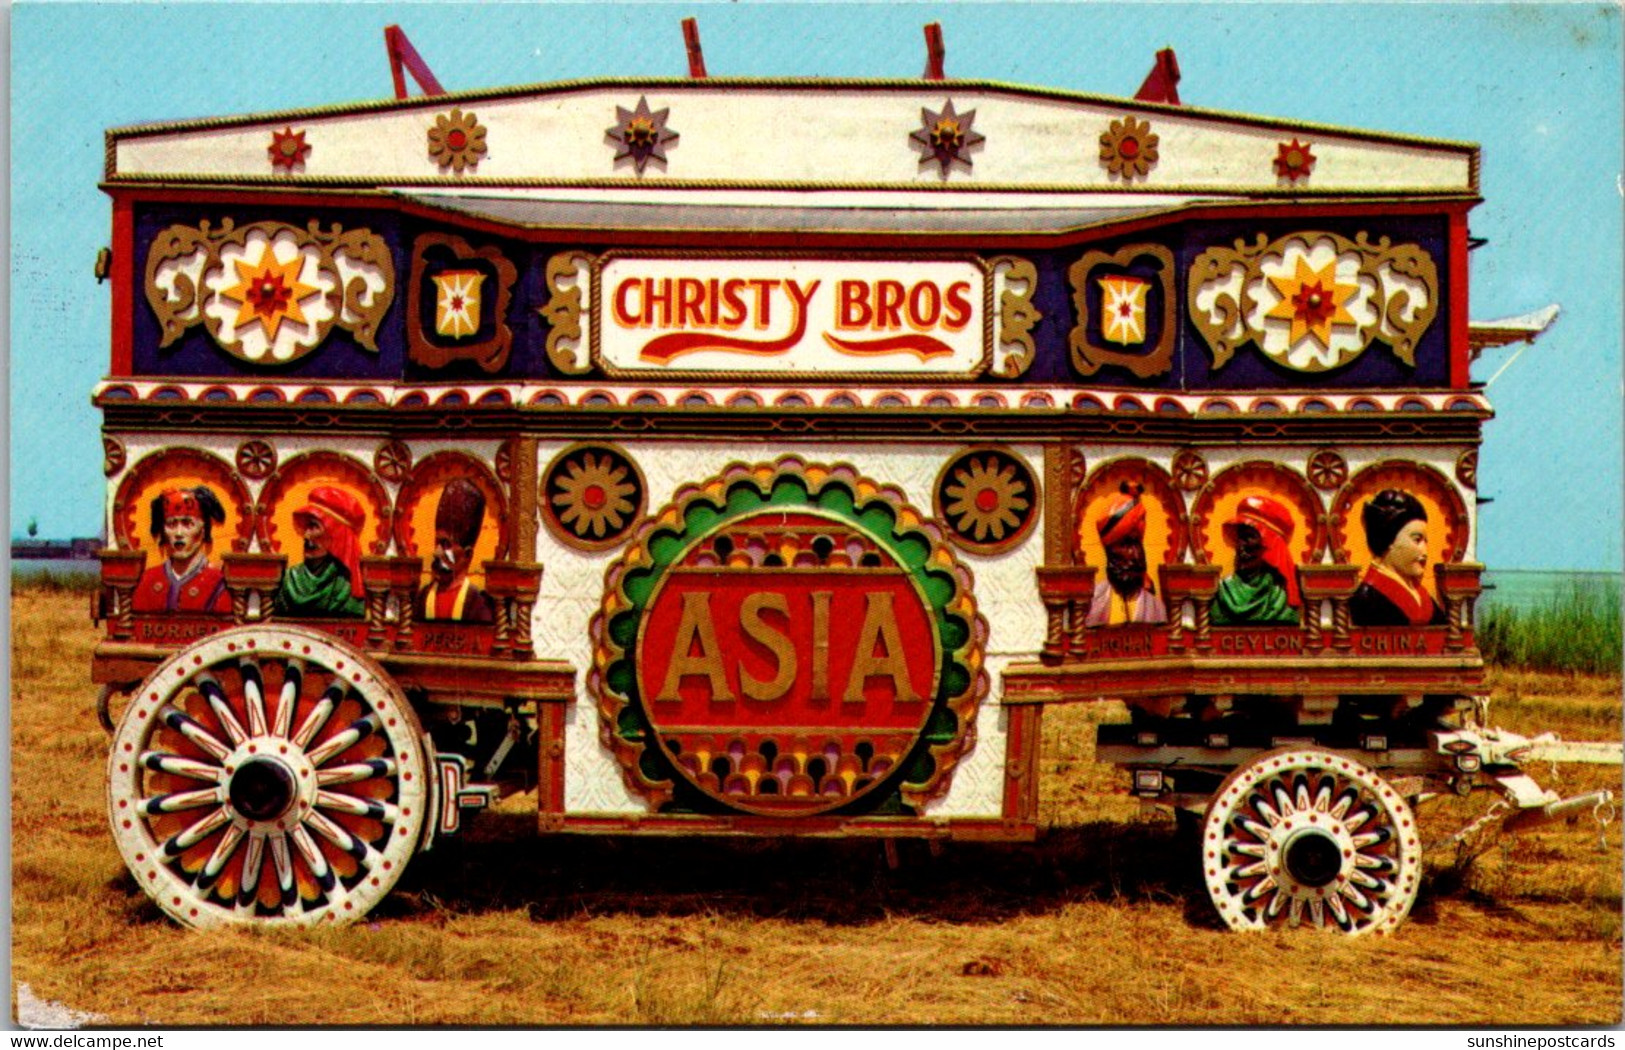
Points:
268	774
1307	837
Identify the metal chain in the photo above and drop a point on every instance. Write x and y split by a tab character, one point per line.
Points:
1490	816
1603	813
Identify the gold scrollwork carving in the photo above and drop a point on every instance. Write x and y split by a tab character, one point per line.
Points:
1313	301
1017	314
267	291
566	346
1087	357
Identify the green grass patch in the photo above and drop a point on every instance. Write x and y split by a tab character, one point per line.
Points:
54	578
1576	629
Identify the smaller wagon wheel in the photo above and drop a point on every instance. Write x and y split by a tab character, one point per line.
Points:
1304	836
268	774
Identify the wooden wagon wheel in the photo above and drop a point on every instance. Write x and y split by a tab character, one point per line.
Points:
268	774
1304	836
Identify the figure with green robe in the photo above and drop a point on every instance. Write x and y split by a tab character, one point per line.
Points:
328	581
1264	587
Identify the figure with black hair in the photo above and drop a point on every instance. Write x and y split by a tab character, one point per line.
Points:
183	523
451	595
1391	593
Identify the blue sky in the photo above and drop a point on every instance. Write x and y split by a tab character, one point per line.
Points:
1538	86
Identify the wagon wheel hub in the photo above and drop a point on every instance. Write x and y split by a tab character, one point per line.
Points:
268	774
1313	858
1307	837
262	788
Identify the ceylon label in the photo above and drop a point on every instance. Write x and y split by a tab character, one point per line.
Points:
792	316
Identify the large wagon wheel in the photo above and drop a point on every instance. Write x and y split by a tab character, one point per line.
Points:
1303	836
267	774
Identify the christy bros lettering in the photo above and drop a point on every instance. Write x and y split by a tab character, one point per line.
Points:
792	316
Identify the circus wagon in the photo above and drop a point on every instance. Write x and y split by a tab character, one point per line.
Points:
715	456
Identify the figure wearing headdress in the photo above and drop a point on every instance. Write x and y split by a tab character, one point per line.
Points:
183	523
1391	593
1127	594
451	595
1264	587
328	581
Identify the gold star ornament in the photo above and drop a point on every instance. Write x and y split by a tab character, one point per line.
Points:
269	292
1312	302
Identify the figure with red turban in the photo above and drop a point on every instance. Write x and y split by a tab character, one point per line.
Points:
1390	593
451	595
1126	595
183	523
328	581
1264	587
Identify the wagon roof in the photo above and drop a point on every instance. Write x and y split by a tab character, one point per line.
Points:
795	135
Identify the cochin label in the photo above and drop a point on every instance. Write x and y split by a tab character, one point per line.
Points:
792	316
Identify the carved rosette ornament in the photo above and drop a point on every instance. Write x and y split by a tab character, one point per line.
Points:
1313	301
113	456
503	461
1467	468
989	500
267	292
457	141
392	461
719	655
591	496
1189	470
1327	470
256	459
1128	149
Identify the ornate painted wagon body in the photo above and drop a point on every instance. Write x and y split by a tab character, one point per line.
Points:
763	457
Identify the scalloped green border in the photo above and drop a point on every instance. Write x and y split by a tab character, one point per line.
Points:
700	513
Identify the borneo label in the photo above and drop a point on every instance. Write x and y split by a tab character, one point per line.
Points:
793	316
788	640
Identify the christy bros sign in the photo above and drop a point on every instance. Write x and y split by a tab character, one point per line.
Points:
792	317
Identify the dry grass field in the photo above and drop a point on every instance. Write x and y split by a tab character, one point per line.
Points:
1100	922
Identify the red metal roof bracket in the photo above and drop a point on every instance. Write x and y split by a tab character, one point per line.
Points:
1162	83
934	52
403	55
691	41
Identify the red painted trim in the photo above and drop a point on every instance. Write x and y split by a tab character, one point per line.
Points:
123	277
1456	292
550	761
691	43
1021	763
935	52
403	55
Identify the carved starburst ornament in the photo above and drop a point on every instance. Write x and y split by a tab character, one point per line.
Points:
641	134
1312	302
1294	160
946	138
288	149
269	292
